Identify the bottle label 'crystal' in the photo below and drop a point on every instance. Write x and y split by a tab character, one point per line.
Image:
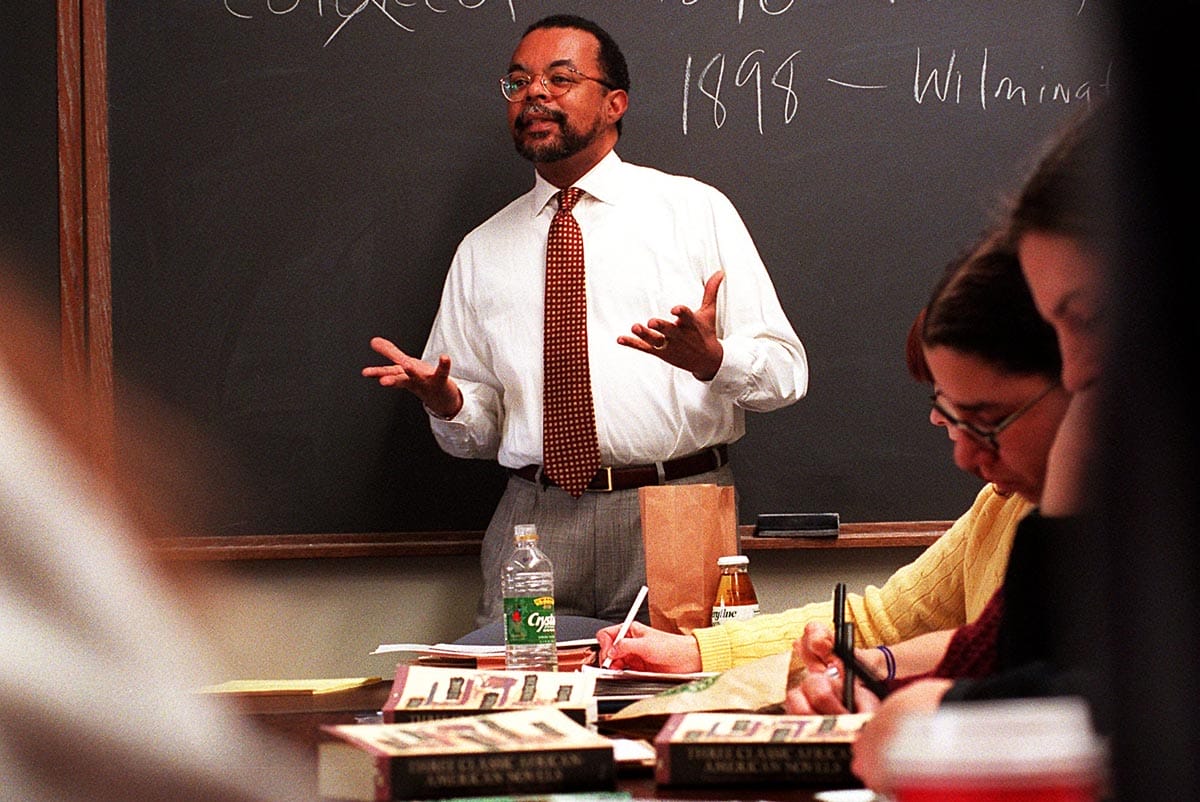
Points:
529	620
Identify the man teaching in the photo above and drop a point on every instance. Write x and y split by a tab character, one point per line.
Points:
524	313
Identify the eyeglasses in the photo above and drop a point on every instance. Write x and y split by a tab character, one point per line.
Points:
557	81
986	436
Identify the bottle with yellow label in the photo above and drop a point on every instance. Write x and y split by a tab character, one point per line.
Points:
736	600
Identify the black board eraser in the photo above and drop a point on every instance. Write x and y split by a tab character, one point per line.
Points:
797	524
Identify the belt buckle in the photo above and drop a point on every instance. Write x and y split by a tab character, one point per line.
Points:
607	471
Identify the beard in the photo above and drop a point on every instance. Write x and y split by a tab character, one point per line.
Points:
570	140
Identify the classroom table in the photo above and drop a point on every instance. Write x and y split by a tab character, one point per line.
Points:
298	718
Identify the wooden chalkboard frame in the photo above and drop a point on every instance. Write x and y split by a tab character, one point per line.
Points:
85	257
86	247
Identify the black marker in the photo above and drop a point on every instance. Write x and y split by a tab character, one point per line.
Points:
848	667
843	634
839	610
843	647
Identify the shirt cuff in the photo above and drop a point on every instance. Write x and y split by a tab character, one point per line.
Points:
433	414
736	364
716	650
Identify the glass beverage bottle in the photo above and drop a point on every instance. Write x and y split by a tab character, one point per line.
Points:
736	600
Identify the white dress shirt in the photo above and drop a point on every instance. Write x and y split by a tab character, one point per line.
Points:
651	240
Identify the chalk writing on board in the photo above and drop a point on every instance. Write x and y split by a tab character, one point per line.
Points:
947	85
348	10
769	86
749	71
343	12
946	79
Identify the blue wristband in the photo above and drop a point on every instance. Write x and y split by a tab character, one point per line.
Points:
891	661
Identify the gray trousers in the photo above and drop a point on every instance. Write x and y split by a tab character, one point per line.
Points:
594	543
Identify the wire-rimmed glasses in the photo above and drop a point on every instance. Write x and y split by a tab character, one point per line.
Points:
556	81
986	435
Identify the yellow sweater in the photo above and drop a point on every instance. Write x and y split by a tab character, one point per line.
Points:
946	587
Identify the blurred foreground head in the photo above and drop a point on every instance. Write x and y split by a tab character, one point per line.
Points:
101	655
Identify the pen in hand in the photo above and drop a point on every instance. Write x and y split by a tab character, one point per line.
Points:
624	630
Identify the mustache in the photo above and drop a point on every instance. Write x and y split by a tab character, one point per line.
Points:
543	113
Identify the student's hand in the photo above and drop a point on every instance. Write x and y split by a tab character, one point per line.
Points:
690	342
872	742
430	383
816	676
815	681
810	681
647	649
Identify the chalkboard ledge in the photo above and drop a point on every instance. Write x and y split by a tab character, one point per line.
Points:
411	544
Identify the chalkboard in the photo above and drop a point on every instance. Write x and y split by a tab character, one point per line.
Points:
28	170
290	177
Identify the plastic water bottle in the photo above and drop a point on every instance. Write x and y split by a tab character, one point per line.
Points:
528	587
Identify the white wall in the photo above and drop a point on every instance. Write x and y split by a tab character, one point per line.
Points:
322	617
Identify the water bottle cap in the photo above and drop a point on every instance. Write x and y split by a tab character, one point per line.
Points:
733	559
525	532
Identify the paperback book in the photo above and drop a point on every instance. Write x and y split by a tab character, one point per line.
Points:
572	654
514	752
712	749
425	693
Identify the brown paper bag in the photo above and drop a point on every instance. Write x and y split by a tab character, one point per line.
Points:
685	528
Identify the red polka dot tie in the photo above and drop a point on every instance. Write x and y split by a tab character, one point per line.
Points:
571	453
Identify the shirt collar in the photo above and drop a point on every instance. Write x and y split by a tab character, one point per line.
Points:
601	182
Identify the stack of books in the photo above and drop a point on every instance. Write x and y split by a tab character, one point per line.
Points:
572	654
467	731
539	749
618	688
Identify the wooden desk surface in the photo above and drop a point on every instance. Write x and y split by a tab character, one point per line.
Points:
298	718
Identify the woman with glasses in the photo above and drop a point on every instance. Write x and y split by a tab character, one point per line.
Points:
996	391
1043	633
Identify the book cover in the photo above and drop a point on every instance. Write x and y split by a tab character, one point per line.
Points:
514	752
708	749
426	693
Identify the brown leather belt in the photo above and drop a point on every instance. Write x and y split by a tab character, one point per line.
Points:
609	479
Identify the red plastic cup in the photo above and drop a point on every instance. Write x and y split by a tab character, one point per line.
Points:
1024	750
